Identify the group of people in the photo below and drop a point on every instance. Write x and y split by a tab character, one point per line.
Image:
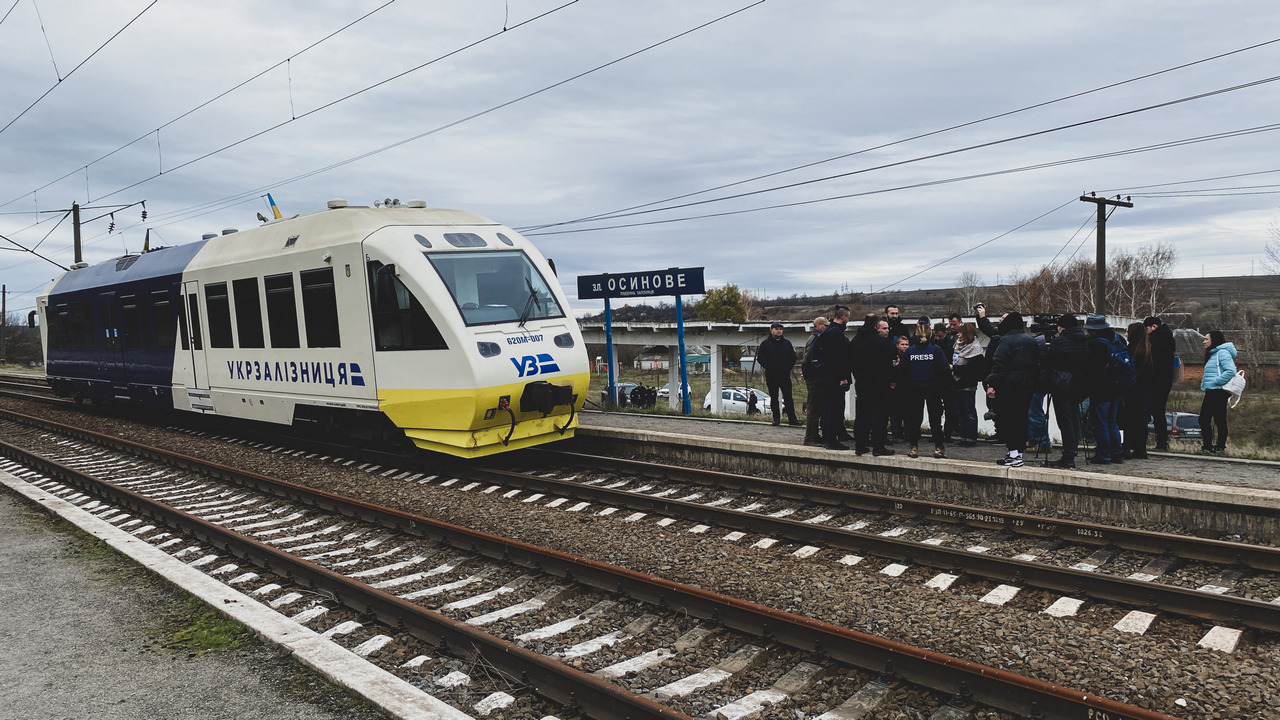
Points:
899	374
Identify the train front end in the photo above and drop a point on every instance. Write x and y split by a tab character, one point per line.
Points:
489	360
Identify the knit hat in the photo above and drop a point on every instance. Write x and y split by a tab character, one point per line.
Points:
1152	321
1011	322
1068	320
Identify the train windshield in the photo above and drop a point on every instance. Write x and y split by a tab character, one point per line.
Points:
496	287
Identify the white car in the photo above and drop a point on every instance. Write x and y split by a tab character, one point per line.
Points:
665	391
734	400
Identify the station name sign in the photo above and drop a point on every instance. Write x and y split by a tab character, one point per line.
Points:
672	281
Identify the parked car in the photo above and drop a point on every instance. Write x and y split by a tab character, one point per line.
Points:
624	395
665	391
1185	426
734	400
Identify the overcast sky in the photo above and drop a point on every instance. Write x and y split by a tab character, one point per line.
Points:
506	124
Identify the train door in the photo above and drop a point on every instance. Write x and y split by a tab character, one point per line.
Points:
198	381
111	361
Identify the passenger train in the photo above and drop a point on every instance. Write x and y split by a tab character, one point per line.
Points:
382	323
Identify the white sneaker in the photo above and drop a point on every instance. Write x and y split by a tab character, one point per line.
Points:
1014	461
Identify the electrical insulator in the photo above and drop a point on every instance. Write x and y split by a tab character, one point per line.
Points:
144	214
112	226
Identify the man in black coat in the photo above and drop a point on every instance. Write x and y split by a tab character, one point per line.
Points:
777	356
1065	362
831	356
1015	372
1163	349
871	356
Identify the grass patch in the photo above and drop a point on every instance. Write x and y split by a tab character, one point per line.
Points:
205	630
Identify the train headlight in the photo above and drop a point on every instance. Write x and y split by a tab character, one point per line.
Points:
564	340
488	349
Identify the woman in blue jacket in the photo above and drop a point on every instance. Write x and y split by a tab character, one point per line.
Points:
1219	367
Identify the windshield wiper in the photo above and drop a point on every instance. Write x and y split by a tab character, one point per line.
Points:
528	304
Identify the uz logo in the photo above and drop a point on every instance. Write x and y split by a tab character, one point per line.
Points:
534	364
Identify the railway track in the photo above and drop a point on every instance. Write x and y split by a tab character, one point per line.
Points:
438	584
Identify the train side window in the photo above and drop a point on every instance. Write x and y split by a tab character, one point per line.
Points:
81	332
60	331
248	312
162	319
194	305
320	307
399	320
130	322
218	306
282	310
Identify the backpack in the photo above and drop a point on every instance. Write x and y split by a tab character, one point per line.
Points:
1120	374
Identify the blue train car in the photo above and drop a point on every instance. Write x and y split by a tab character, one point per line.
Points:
110	328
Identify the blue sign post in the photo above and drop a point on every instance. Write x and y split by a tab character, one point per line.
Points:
672	281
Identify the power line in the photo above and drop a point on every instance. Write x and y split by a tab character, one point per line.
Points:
931	156
257	191
77	67
978	246
210	101
930	183
10	10
920	136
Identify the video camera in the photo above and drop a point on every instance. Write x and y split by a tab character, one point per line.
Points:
1044	324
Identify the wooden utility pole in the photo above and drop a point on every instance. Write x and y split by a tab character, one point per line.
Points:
4	319
1100	287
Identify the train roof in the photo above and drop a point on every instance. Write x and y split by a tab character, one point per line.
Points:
129	268
323	228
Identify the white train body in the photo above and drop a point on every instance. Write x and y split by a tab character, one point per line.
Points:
357	321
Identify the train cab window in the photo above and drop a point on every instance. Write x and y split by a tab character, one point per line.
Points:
194	304
218	305
248	312
162	320
399	320
320	307
282	310
131	322
505	240
495	286
422	240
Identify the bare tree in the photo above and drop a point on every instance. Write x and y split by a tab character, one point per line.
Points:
1271	250
970	288
751	304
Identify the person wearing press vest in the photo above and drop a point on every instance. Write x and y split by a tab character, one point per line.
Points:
1219	367
926	375
1104	390
777	356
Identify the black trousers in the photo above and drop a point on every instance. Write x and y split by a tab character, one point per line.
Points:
832	412
1067	410
1160	389
1012	406
917	400
1214	410
870	408
781	386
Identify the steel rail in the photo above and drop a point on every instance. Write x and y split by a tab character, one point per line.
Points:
1222	552
1135	593
940	673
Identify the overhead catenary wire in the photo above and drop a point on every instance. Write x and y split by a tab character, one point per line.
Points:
932	156
81	64
921	136
210	101
979	246
928	183
253	193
